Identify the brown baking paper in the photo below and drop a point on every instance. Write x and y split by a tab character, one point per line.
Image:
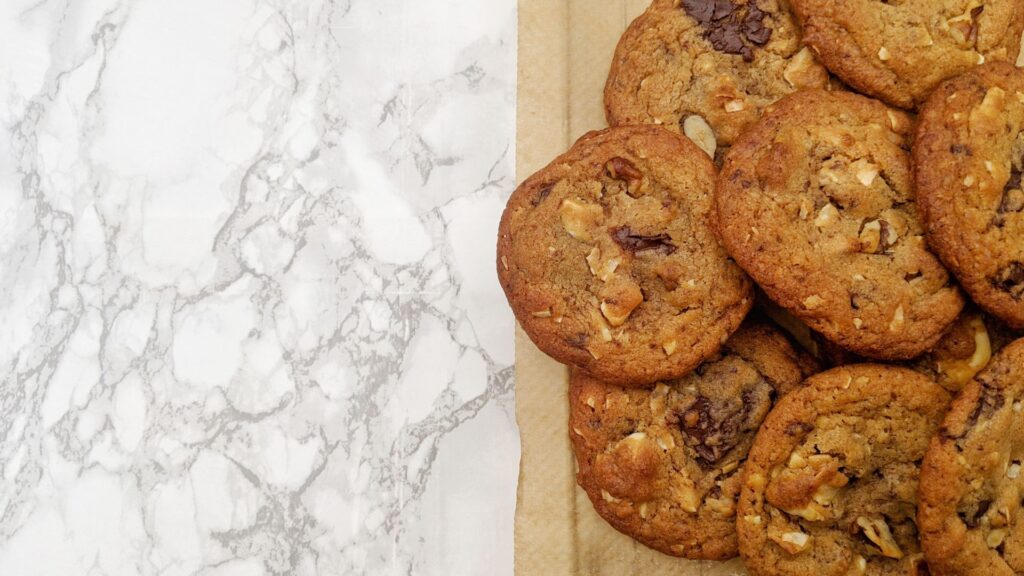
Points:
565	49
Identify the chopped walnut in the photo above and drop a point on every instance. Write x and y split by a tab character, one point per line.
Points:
807	487
827	215
877	531
580	218
619	299
792	542
803	71
603	269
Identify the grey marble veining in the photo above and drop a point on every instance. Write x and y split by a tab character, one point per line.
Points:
249	321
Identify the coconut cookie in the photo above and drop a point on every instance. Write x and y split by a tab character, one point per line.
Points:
967	165
609	262
830	486
815	203
664	465
708	67
899	51
970	516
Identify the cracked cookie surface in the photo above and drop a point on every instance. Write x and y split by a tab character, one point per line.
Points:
968	158
815	203
707	67
971	514
830	486
664	465
899	51
609	261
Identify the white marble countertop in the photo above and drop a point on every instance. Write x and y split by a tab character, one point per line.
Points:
249	320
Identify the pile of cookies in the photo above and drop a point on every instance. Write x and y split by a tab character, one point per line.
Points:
789	285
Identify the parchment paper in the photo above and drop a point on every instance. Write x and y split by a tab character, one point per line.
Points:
565	49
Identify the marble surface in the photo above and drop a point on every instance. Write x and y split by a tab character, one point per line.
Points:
249	321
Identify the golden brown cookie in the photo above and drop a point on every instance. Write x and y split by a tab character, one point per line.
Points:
964	349
707	67
815	203
899	51
971	518
968	158
830	486
664	465
609	262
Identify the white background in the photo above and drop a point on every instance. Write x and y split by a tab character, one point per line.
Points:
249	320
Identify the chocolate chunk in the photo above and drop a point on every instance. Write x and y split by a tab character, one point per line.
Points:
725	37
710	429
699	10
989	402
727	29
1010	280
886	236
632	242
972	36
723	8
1015	179
753	26
577	341
622	169
973	517
961	150
1013	201
542	194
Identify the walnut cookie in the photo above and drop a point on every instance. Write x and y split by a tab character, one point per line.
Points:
899	51
970	516
609	262
815	203
830	487
968	158
664	465
707	67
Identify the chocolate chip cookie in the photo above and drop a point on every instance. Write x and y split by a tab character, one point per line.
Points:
609	262
967	159
815	203
830	486
899	51
970	517
707	67
664	465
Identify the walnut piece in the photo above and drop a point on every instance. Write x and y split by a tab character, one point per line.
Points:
580	218
803	71
619	299
807	486
877	531
792	542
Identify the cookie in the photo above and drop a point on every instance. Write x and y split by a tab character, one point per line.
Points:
970	517
707	67
664	465
609	261
964	349
900	51
968	158
815	203
830	486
